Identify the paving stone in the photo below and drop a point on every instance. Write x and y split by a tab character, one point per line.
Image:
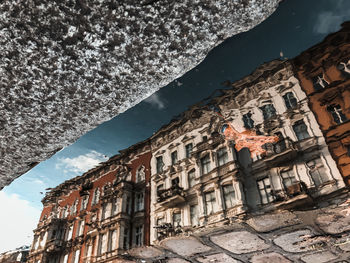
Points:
177	260
335	221
298	241
319	257
145	252
269	258
343	243
240	242
266	223
217	258
185	246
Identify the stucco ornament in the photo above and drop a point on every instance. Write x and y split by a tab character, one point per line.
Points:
67	66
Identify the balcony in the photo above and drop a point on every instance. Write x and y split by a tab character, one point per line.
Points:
171	197
210	143
168	230
281	151
307	144
52	221
293	196
55	245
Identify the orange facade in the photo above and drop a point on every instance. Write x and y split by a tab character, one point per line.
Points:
324	75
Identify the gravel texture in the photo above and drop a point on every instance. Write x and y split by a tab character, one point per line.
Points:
67	66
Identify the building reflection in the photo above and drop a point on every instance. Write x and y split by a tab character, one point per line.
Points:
189	176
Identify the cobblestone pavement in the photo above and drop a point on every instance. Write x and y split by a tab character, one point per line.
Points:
319	235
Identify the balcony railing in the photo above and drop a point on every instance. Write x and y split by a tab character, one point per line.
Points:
55	245
280	151
295	195
172	196
167	230
307	144
208	144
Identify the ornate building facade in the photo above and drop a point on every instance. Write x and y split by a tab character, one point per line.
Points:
190	174
324	74
200	179
99	215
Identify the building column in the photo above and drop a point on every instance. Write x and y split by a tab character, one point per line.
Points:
186	215
201	206
219	196
237	184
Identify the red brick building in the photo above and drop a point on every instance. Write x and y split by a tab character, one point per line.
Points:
324	75
97	216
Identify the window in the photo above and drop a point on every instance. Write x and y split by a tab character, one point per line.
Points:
300	130
288	178
36	242
280	145
73	210
76	256
80	229
84	202
66	211
160	164
63	212
205	164
128	205
91	246
126	238
112	243
42	239
159	189
102	244
70	232
210	202
268	111
139	235
60	234
337	114
173	158
96	196
194	215
319	82
65	259
175	181
264	187
139	206
317	171
105	211
128	178
177	219
290	100
52	259
191	178
229	195
344	67
188	149
140	174
115	206
222	156
247	120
